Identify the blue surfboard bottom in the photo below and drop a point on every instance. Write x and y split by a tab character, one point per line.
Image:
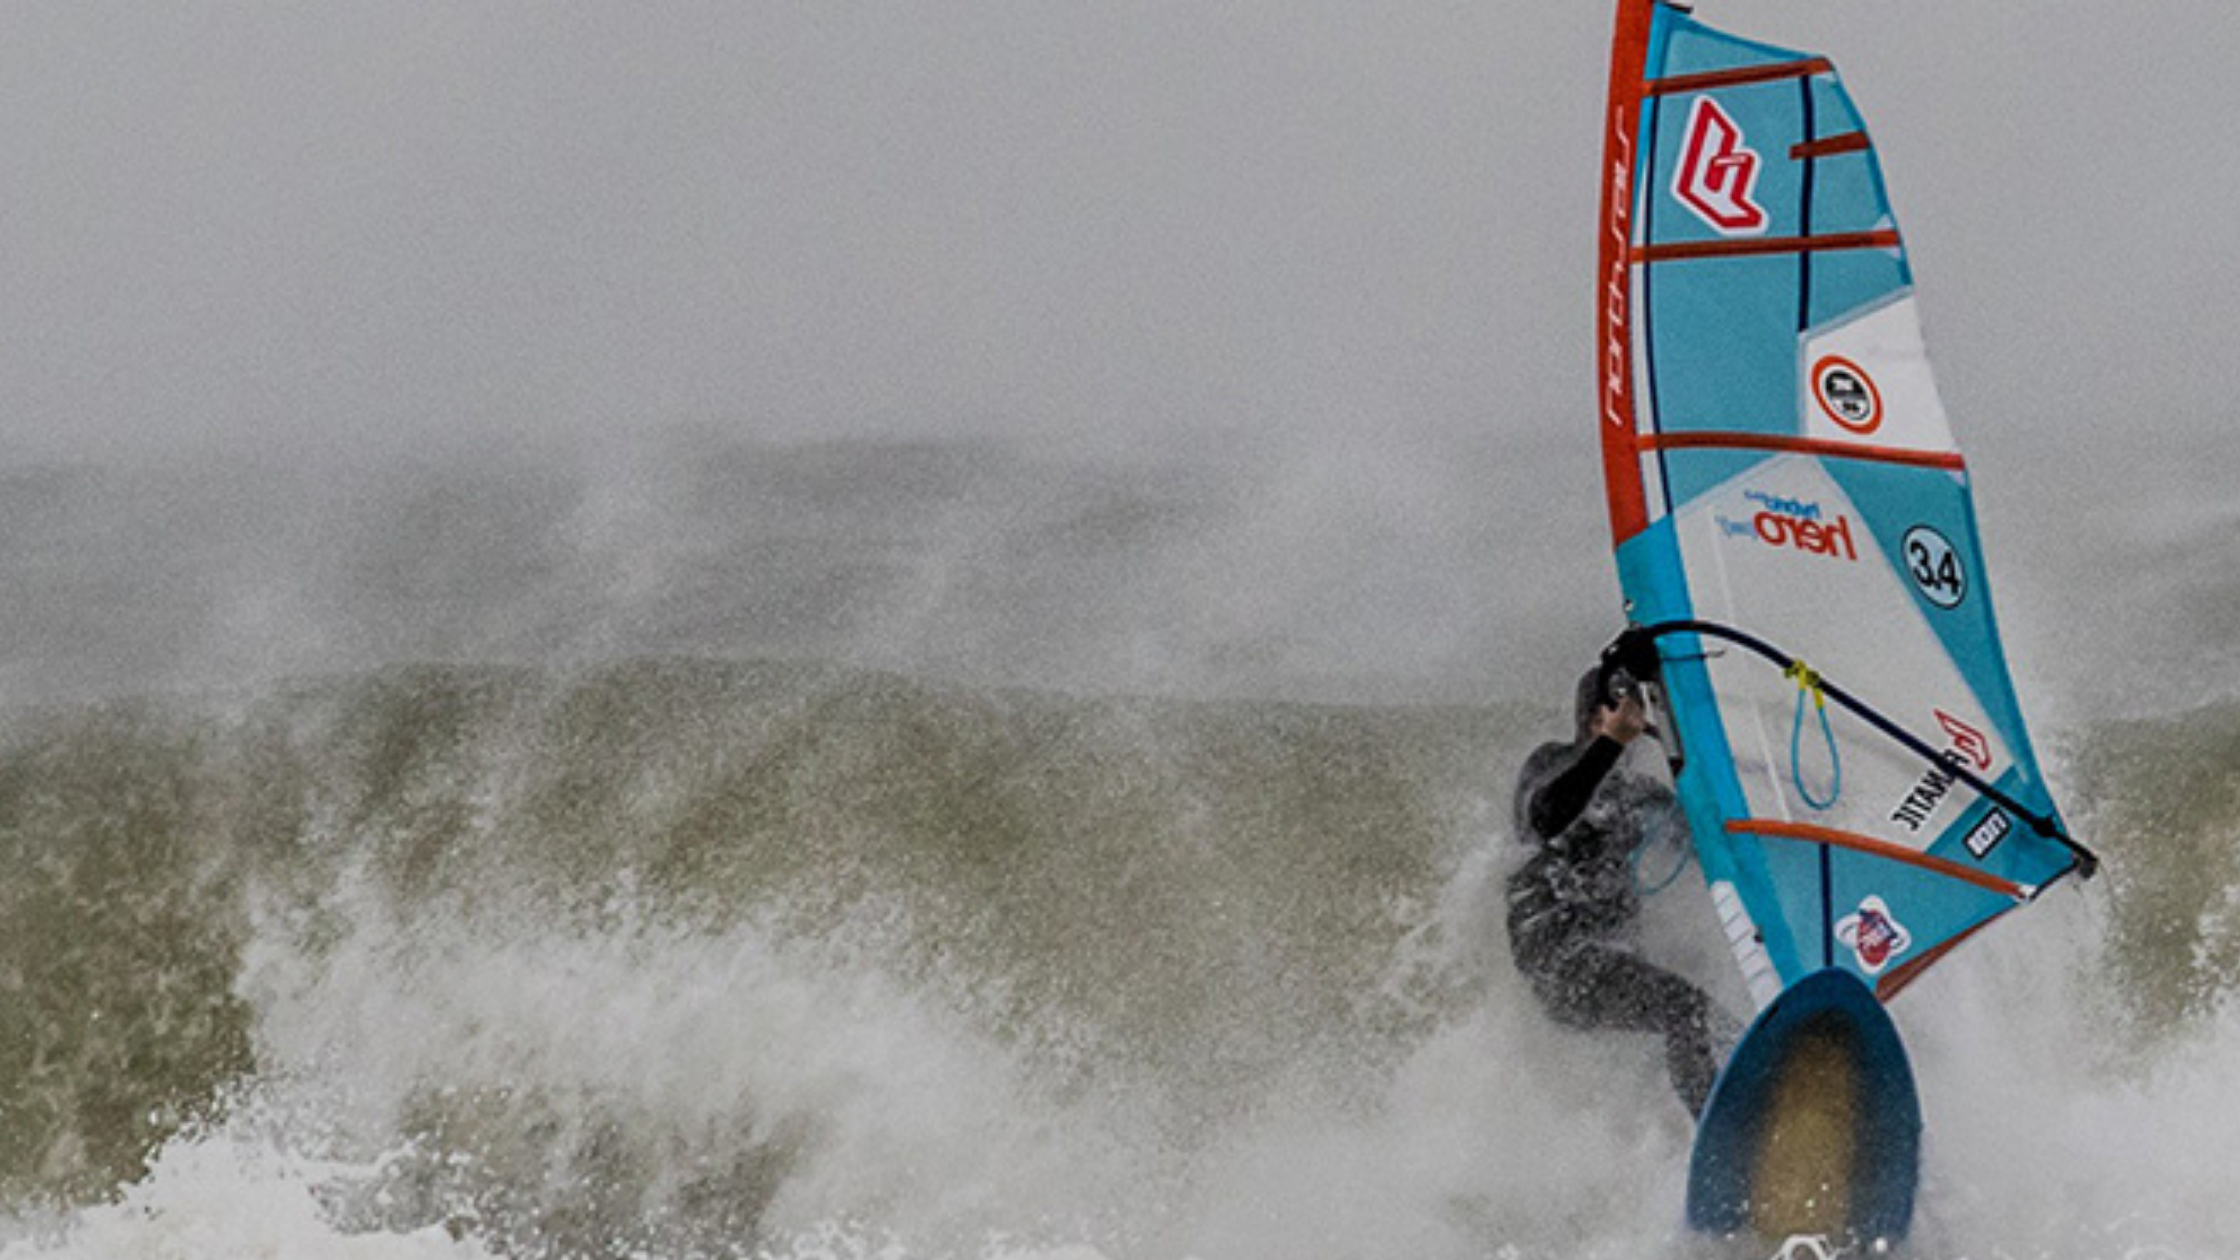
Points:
1814	1126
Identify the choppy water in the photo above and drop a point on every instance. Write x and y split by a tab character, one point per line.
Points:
556	880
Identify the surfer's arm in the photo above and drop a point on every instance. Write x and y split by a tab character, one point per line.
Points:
1558	803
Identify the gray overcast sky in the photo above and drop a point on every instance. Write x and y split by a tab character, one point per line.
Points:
364	220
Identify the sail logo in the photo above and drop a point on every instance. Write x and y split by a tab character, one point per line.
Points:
1928	793
1966	742
1873	935
1616	296
1989	833
1794	525
1718	173
1797	533
1847	395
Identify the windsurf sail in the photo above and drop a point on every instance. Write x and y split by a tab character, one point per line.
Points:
1793	525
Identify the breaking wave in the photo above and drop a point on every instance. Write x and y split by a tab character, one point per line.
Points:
678	958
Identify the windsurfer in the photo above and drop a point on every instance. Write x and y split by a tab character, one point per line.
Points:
1572	904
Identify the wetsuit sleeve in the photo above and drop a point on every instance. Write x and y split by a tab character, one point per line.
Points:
1558	803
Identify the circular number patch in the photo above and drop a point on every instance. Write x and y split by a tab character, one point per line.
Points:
1935	567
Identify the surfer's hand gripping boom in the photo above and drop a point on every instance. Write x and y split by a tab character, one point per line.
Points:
1623	719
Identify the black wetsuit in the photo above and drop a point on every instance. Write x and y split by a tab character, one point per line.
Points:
1572	902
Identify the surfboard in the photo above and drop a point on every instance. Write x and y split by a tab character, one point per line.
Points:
1804	582
1814	1126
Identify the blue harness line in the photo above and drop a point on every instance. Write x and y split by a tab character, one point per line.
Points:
1808	683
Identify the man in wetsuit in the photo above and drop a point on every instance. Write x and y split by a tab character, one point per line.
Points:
1572	904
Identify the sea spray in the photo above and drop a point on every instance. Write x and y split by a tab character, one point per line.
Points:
681	958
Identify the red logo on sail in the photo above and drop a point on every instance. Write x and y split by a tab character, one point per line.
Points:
1874	935
1967	741
1718	173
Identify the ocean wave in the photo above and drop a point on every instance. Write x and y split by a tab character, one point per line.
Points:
678	958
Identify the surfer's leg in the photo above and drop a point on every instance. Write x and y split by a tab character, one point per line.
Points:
1595	986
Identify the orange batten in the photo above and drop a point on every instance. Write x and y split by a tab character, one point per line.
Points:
1878	848
1715	440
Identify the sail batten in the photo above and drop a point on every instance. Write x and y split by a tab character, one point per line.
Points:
1830	146
1714	439
1810	834
1687	251
1738	77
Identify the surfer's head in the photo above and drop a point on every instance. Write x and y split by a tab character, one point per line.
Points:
1586	702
